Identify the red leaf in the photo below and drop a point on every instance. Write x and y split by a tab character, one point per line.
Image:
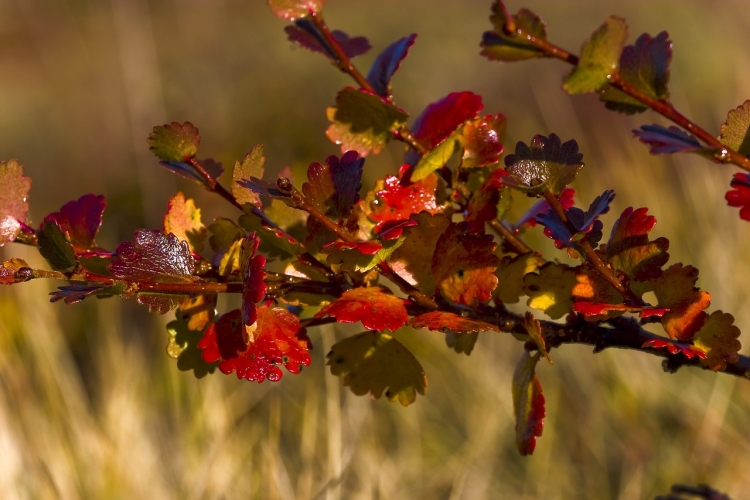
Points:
629	249
448	322
80	220
253	286
442	117
739	195
528	404
9	272
397	202
153	257
376	307
464	265
279	340
363	247
13	206
483	205
688	350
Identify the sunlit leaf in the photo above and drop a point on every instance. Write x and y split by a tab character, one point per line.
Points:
464	265
436	157
718	339
9	271
528	403
688	350
251	166
80	220
13	195
376	363
739	195
460	333
663	140
645	67
600	57
376	307
483	204
676	290
183	220
593	296
482	140
183	346
153	257
510	275
198	311
279	341
175	142
54	247
547	162
362	121
398	202
512	45
387	63
441	118
550	289
629	250
289	10
363	256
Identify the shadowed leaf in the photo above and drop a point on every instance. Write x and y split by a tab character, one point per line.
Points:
251	166
670	140
718	339
183	346
305	34
676	290
503	44
550	289
376	363
175	142
629	250
54	247
547	162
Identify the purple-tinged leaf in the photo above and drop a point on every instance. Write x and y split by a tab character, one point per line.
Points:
333	188
187	171
265	188
645	67
80	220
387	63
528	219
13	206
670	140
153	257
305	34
75	293
585	223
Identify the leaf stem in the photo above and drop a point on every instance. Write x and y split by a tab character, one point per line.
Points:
508	235
345	64
724	154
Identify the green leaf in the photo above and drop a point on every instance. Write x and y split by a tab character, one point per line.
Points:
175	142
350	259
376	363
183	346
13	195
545	163
528	403
735	132
510	275
362	121
503	45
600	57
251	166
55	247
437	157
645	67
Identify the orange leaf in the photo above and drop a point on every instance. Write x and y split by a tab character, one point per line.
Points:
676	290
630	252
464	265
183	220
376	307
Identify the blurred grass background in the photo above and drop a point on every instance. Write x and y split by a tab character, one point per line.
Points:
91	406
